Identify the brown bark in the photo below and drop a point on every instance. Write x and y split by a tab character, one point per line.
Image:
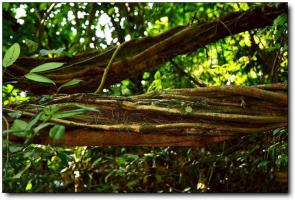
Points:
175	117
141	54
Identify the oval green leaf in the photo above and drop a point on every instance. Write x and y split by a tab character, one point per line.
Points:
11	55
69	83
19	127
14	114
57	132
39	78
47	66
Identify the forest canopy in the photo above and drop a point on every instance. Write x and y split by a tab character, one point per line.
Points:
209	76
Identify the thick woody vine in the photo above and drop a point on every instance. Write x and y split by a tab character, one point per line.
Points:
179	117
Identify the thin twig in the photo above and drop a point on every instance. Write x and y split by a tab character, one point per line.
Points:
48	12
7	145
186	74
105	73
225	26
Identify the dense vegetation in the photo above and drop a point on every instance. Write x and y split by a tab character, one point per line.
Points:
250	163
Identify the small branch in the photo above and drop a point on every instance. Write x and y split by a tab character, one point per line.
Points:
76	42
48	12
41	23
118	29
186	74
276	63
91	19
225	26
7	145
105	73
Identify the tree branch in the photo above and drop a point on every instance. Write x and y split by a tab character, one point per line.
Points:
174	115
145	53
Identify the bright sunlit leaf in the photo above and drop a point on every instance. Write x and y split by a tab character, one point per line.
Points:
29	186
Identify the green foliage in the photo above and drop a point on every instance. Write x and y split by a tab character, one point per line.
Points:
39	78
281	20
32	46
233	166
11	55
43	68
57	132
248	164
69	84
53	111
19	128
19	174
32	128
46	67
51	53
68	113
12	95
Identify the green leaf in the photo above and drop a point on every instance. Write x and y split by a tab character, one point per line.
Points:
111	11
263	164
146	75
57	132
64	158
51	111
19	127
32	46
18	175
69	83
45	99
48	111
14	115
69	113
33	122
13	148
281	20
41	126
43	52
187	189
39	78
58	51
282	161
89	109
132	156
96	162
29	186
11	55
47	66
